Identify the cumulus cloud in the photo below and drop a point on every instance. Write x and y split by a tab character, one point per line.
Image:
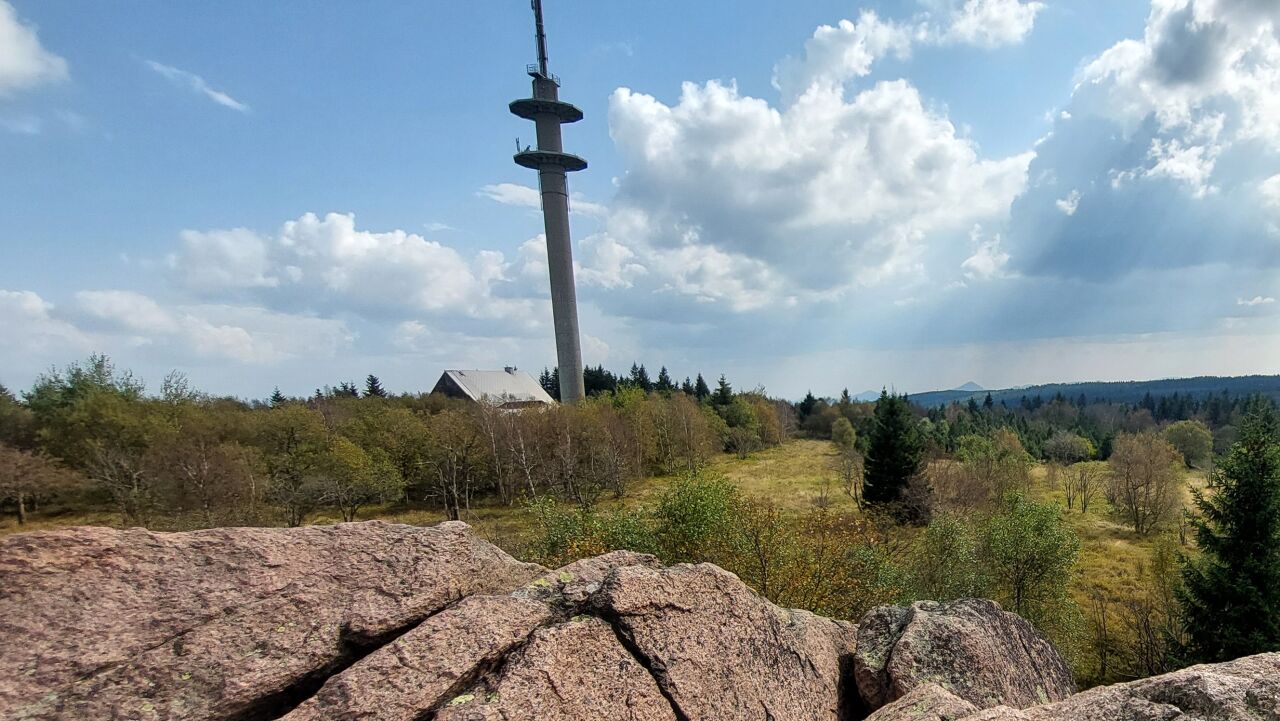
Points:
240	333
32	329
329	265
849	49
826	194
24	62
1175	137
991	23
197	84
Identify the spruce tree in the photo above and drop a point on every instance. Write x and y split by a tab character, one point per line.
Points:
1231	593
805	408
687	387
373	387
700	388
640	378
724	393
893	453
664	383
277	398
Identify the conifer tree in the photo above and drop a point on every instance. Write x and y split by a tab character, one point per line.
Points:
806	405
687	387
893	453
724	393
640	378
373	387
1231	592
277	398
700	388
664	384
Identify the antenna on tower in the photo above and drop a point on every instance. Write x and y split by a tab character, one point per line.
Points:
542	38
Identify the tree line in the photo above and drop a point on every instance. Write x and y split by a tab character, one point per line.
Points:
88	436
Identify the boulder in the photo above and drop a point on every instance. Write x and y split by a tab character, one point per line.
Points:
1246	689
219	624
440	660
571	672
927	702
429	665
970	647
719	651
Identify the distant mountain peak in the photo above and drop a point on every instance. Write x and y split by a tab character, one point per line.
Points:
971	387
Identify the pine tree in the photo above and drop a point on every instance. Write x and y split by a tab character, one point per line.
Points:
893	454
700	388
347	388
277	398
1231	593
724	393
988	404
664	384
373	387
687	387
550	382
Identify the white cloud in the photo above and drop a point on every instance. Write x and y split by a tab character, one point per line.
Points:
219	260
826	194
191	81
849	49
992	23
241	333
988	260
328	263
841	52
24	63
32	332
1255	300
1069	204
1270	191
523	196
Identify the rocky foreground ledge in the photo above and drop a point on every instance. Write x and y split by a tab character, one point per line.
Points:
376	621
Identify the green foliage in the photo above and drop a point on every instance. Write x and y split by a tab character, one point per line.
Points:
894	451
1029	553
1231	592
373	387
564	534
843	434
1193	440
693	517
1066	448
945	561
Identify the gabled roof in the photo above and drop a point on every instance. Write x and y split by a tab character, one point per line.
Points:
502	388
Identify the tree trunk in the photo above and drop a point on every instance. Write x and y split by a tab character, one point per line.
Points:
22	508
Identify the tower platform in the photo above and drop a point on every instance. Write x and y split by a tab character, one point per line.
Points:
535	159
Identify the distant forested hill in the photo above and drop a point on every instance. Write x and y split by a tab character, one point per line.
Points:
1115	392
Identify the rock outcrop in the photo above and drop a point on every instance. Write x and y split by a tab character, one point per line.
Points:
927	702
381	622
971	648
220	624
1241	690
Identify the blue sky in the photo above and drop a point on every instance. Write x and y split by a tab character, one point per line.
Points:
801	195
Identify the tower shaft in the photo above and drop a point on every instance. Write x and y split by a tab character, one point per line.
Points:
548	113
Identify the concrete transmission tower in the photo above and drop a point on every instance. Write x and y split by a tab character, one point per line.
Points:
547	112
